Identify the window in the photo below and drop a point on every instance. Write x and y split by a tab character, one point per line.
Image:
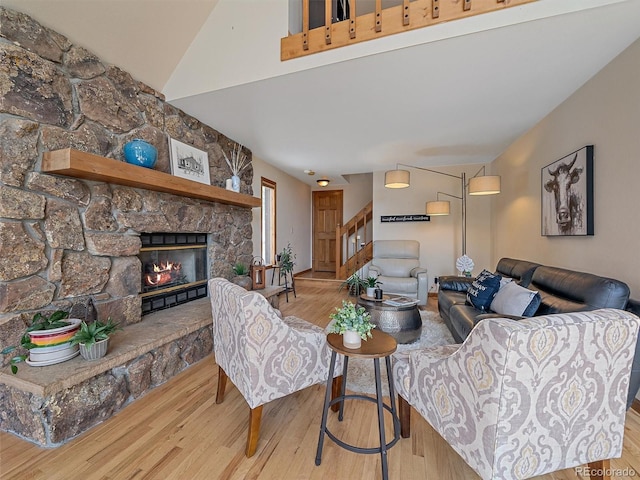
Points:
268	221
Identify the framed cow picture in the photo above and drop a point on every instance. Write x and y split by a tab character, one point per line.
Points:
567	195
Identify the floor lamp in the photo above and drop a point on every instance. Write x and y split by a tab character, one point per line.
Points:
478	185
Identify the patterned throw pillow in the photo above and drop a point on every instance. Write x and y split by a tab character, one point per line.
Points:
512	299
483	289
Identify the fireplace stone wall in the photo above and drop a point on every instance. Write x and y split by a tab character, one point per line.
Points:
62	239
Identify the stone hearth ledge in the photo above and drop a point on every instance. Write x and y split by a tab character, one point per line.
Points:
155	330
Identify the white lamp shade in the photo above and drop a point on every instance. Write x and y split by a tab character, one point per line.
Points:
485	185
396	179
438	208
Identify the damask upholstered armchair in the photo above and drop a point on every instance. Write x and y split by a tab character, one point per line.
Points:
265	356
523	398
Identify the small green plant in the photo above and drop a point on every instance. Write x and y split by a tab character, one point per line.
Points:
371	282
350	317
38	322
287	258
354	283
240	269
93	332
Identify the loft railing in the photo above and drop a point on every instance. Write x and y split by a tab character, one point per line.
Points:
353	247
328	24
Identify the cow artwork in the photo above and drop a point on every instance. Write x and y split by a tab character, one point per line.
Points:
567	187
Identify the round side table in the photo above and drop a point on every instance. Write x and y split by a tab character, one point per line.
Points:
381	345
402	322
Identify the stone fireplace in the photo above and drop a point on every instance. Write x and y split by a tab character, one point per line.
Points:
66	240
174	269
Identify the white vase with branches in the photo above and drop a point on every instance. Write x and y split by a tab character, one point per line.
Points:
237	163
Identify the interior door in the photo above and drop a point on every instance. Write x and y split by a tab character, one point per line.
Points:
327	214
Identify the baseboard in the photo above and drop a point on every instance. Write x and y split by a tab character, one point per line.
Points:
302	272
636	405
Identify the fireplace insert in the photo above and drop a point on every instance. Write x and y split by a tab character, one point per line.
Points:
174	269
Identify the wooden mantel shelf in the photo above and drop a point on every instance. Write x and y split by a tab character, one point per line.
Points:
74	163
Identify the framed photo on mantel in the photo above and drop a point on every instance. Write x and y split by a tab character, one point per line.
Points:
189	162
567	195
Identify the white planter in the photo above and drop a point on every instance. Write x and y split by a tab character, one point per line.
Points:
94	351
371	292
351	339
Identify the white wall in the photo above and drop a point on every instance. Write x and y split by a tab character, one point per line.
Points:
441	238
293	211
605	112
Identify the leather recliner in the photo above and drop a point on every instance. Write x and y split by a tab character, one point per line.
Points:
396	264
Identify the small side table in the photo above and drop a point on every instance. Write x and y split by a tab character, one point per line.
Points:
380	346
287	288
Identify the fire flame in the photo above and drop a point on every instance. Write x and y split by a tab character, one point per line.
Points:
163	273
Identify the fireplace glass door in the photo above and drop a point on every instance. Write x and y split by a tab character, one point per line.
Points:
174	269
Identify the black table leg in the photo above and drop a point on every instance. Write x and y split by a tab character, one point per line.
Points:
342	387
392	394
325	411
383	442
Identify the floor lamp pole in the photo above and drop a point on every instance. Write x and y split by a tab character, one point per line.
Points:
464	215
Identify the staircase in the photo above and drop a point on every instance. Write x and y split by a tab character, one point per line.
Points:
353	248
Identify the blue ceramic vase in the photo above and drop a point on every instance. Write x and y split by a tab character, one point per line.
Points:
138	152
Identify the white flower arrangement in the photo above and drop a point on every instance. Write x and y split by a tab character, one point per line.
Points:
238	160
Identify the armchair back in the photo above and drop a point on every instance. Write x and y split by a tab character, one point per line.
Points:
266	357
523	398
396	258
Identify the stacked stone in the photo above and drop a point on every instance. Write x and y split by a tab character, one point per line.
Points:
64	239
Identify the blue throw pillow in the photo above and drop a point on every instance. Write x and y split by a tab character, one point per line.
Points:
483	289
532	308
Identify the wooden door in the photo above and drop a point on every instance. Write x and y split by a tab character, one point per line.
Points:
327	214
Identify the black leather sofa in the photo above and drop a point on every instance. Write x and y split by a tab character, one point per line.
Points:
560	291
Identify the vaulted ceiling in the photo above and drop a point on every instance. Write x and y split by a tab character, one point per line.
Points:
454	93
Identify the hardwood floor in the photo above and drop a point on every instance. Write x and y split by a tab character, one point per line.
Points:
178	432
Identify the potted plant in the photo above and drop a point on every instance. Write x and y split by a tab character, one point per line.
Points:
93	338
371	283
354	283
353	323
286	260
47	340
242	277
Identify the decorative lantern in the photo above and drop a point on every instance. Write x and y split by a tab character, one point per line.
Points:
258	273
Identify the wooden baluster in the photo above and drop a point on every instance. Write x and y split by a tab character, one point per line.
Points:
405	12
339	246
435	9
352	19
305	24
378	15
327	21
466	5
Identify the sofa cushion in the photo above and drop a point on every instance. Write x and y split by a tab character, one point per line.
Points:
395	267
565	291
401	285
519	270
512	299
462	319
483	289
